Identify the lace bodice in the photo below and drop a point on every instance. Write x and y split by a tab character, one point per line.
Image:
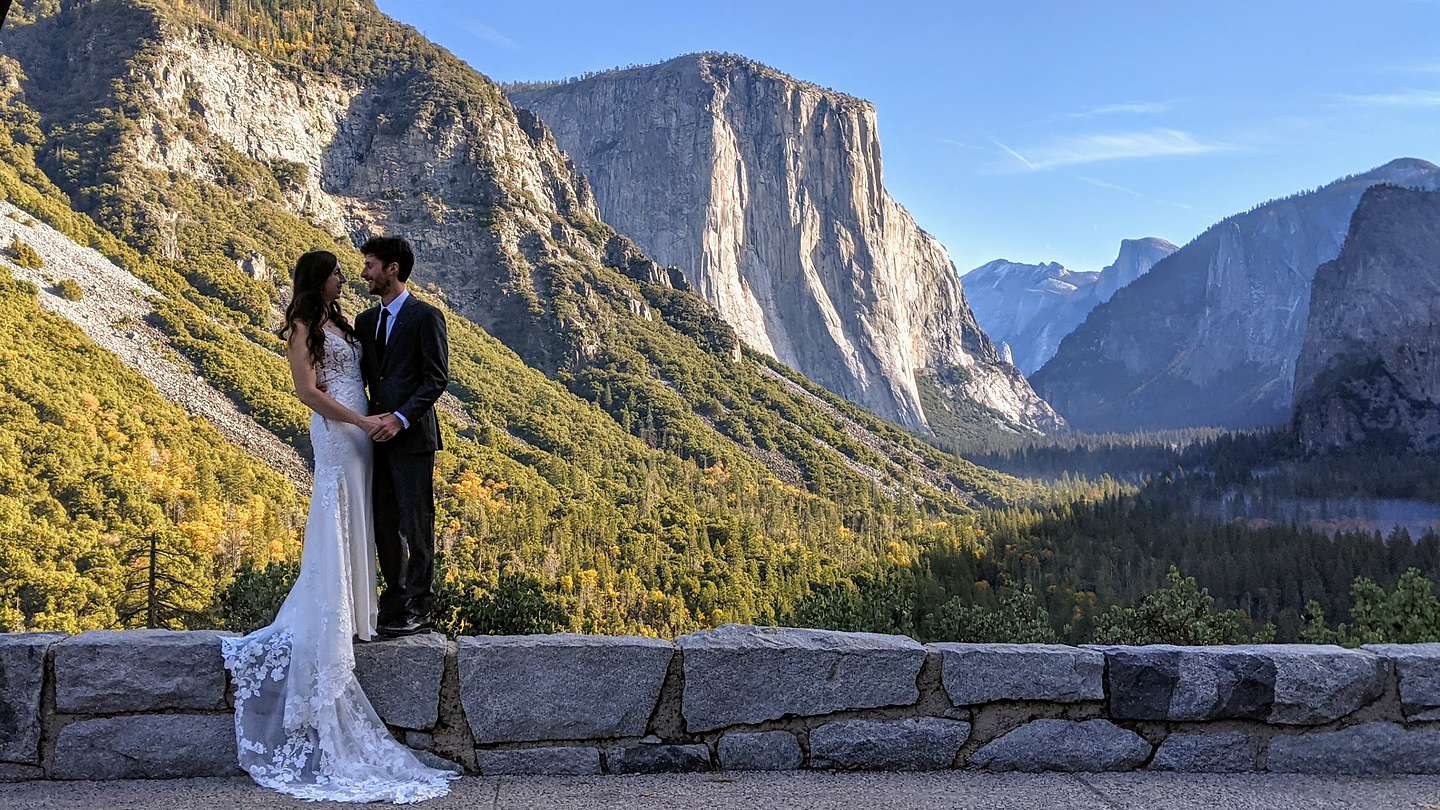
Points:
340	371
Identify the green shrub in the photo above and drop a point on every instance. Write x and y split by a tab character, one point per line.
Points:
515	604
876	601
1180	613
69	289
24	255
1409	613
1019	618
252	599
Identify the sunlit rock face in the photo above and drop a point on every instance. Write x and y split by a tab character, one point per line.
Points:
767	193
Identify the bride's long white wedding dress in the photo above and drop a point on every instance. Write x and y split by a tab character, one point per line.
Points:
302	724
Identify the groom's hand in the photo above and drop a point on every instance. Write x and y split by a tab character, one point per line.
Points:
389	426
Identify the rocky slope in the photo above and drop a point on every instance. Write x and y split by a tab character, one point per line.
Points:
111	307
1211	334
1028	308
1369	368
1031	307
767	193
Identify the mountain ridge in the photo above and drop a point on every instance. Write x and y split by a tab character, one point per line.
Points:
1210	335
692	56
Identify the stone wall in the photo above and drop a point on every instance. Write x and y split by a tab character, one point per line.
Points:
155	704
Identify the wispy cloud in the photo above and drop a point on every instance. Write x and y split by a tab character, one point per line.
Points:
1098	183
959	144
1131	108
1074	150
1109	186
1397	98
485	33
1023	160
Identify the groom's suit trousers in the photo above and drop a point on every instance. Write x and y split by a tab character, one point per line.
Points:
404	508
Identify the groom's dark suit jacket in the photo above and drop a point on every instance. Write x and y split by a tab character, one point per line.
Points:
415	371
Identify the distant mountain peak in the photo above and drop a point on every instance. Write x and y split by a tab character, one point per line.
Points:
1406	164
1032	307
1134	260
1400	171
1147	241
998	270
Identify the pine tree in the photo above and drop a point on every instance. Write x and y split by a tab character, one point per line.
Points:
166	585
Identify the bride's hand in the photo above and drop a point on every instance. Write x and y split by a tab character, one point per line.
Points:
370	424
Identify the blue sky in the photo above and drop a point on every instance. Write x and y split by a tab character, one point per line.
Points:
1040	131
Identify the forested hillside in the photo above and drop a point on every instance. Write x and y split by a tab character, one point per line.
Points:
100	477
619	455
1069	570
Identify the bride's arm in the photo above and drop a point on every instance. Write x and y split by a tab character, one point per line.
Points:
302	370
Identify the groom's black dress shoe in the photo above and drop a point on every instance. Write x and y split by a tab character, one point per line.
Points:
408	627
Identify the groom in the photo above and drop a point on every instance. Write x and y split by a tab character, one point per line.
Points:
406	367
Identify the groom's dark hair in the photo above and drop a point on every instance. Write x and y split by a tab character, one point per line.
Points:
391	249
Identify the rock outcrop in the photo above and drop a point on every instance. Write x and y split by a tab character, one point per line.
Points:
1134	260
1031	307
1211	334
351	164
1369	369
768	194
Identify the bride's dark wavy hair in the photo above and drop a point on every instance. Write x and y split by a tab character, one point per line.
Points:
307	303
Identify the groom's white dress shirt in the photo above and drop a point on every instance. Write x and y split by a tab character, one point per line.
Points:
394	309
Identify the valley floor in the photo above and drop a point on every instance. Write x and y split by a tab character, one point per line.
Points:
968	789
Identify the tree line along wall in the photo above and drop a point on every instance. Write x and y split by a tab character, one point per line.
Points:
157	704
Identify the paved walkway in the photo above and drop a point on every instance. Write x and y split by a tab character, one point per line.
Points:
868	791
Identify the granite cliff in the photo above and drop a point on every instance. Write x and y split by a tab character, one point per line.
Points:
1369	369
767	193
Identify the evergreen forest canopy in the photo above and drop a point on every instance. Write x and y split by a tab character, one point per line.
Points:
662	488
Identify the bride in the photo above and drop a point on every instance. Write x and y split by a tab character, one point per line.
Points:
302	724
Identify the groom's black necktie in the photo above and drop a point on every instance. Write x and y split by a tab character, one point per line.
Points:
382	337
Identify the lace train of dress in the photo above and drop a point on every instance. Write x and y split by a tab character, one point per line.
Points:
302	724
